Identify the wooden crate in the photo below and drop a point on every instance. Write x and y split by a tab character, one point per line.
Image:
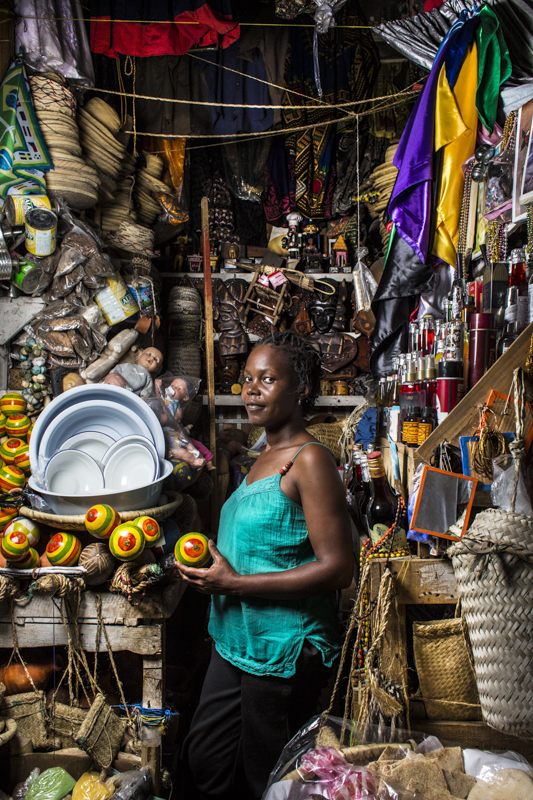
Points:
408	460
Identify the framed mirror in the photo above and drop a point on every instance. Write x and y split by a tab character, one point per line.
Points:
441	499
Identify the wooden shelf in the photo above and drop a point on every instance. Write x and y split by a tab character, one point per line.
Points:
321	402
226	276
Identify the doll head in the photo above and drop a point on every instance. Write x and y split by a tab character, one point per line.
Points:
151	359
180	389
114	379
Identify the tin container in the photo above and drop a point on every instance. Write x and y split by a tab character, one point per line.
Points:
142	293
340	387
17	207
41	231
26	276
116	301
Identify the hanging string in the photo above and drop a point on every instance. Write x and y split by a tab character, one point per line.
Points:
357	179
130	70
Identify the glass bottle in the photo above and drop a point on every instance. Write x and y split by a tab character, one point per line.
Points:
382	507
510	332
517	277
426	424
410	427
381	405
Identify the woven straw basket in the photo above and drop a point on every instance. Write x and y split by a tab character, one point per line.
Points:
445	670
493	565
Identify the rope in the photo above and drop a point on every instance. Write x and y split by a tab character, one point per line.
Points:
8	588
19	18
59	584
517	447
317	104
98	605
152	717
130	580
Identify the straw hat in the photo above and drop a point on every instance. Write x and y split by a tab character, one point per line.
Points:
134	239
104	113
79	197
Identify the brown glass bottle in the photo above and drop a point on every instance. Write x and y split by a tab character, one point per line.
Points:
383	505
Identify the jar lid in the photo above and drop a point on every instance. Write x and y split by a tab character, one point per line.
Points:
484	320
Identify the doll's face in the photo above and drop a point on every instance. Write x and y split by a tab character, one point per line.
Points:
178	390
114	379
151	359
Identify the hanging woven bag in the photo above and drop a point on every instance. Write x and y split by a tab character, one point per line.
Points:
493	565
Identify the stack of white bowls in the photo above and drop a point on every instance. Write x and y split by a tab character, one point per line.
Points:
98	444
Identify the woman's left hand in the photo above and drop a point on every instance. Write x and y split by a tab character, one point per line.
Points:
219	578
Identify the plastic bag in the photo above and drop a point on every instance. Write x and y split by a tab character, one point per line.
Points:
53	784
69	259
176	391
364	283
133	785
90	787
482	763
172	214
503	483
19	792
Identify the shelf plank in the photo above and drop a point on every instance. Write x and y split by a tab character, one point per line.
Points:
328	401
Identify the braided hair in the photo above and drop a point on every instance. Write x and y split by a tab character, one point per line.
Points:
303	358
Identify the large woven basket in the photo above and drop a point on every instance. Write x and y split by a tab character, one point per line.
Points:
76	522
493	565
445	670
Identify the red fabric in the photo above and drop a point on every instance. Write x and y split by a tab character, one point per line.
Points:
429	5
155	39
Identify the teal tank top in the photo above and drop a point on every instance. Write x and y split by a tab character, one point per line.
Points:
262	530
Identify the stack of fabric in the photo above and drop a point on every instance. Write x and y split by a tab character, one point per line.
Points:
184	320
148	180
133	238
55	108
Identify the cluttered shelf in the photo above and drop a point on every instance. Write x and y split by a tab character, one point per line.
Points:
322	402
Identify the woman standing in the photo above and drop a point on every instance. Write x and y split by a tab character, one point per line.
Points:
284	548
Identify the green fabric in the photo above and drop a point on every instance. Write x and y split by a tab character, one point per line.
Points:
262	530
24	156
494	66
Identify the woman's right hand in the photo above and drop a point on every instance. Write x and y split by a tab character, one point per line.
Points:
219	578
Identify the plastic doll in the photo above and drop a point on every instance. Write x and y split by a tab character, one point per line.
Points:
139	376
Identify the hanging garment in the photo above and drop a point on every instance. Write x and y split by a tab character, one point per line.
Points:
231	79
280	197
53	38
348	61
116	26
175	77
494	66
455	132
273	44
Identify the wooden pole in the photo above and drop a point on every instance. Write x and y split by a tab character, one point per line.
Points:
210	355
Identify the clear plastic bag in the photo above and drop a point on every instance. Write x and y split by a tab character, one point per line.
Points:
90	787
364	283
503	485
133	785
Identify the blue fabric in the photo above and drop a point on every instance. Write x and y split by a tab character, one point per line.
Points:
456	53
262	530
366	428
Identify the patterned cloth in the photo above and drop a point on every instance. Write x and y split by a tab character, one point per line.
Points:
24	157
349	62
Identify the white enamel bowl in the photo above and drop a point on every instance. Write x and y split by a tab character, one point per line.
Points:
129	467
110	418
127	500
98	394
72	472
94	443
132	439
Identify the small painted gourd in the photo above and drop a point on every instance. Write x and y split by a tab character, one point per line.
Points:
26	526
14	545
6	516
101	520
11	448
28	435
12	403
17	425
126	542
3	419
192	549
150	529
22	460
30	561
63	550
11	477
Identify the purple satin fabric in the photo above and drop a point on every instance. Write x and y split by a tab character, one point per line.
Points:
410	203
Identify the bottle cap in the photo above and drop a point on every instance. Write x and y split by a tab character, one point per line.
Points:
374	454
482	321
518	255
431	368
450	369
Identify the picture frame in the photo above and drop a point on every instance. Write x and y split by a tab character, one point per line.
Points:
453	492
526	193
523	131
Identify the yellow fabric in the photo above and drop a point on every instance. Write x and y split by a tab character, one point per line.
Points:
455	130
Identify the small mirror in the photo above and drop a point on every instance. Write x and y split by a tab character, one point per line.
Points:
442	498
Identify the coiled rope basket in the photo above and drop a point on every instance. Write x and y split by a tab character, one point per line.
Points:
493	565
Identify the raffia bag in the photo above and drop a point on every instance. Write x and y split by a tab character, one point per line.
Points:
101	732
66	722
29	712
445	671
494	572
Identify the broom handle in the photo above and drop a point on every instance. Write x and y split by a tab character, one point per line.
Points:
209	354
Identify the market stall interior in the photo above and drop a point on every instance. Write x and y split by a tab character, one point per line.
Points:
179	181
